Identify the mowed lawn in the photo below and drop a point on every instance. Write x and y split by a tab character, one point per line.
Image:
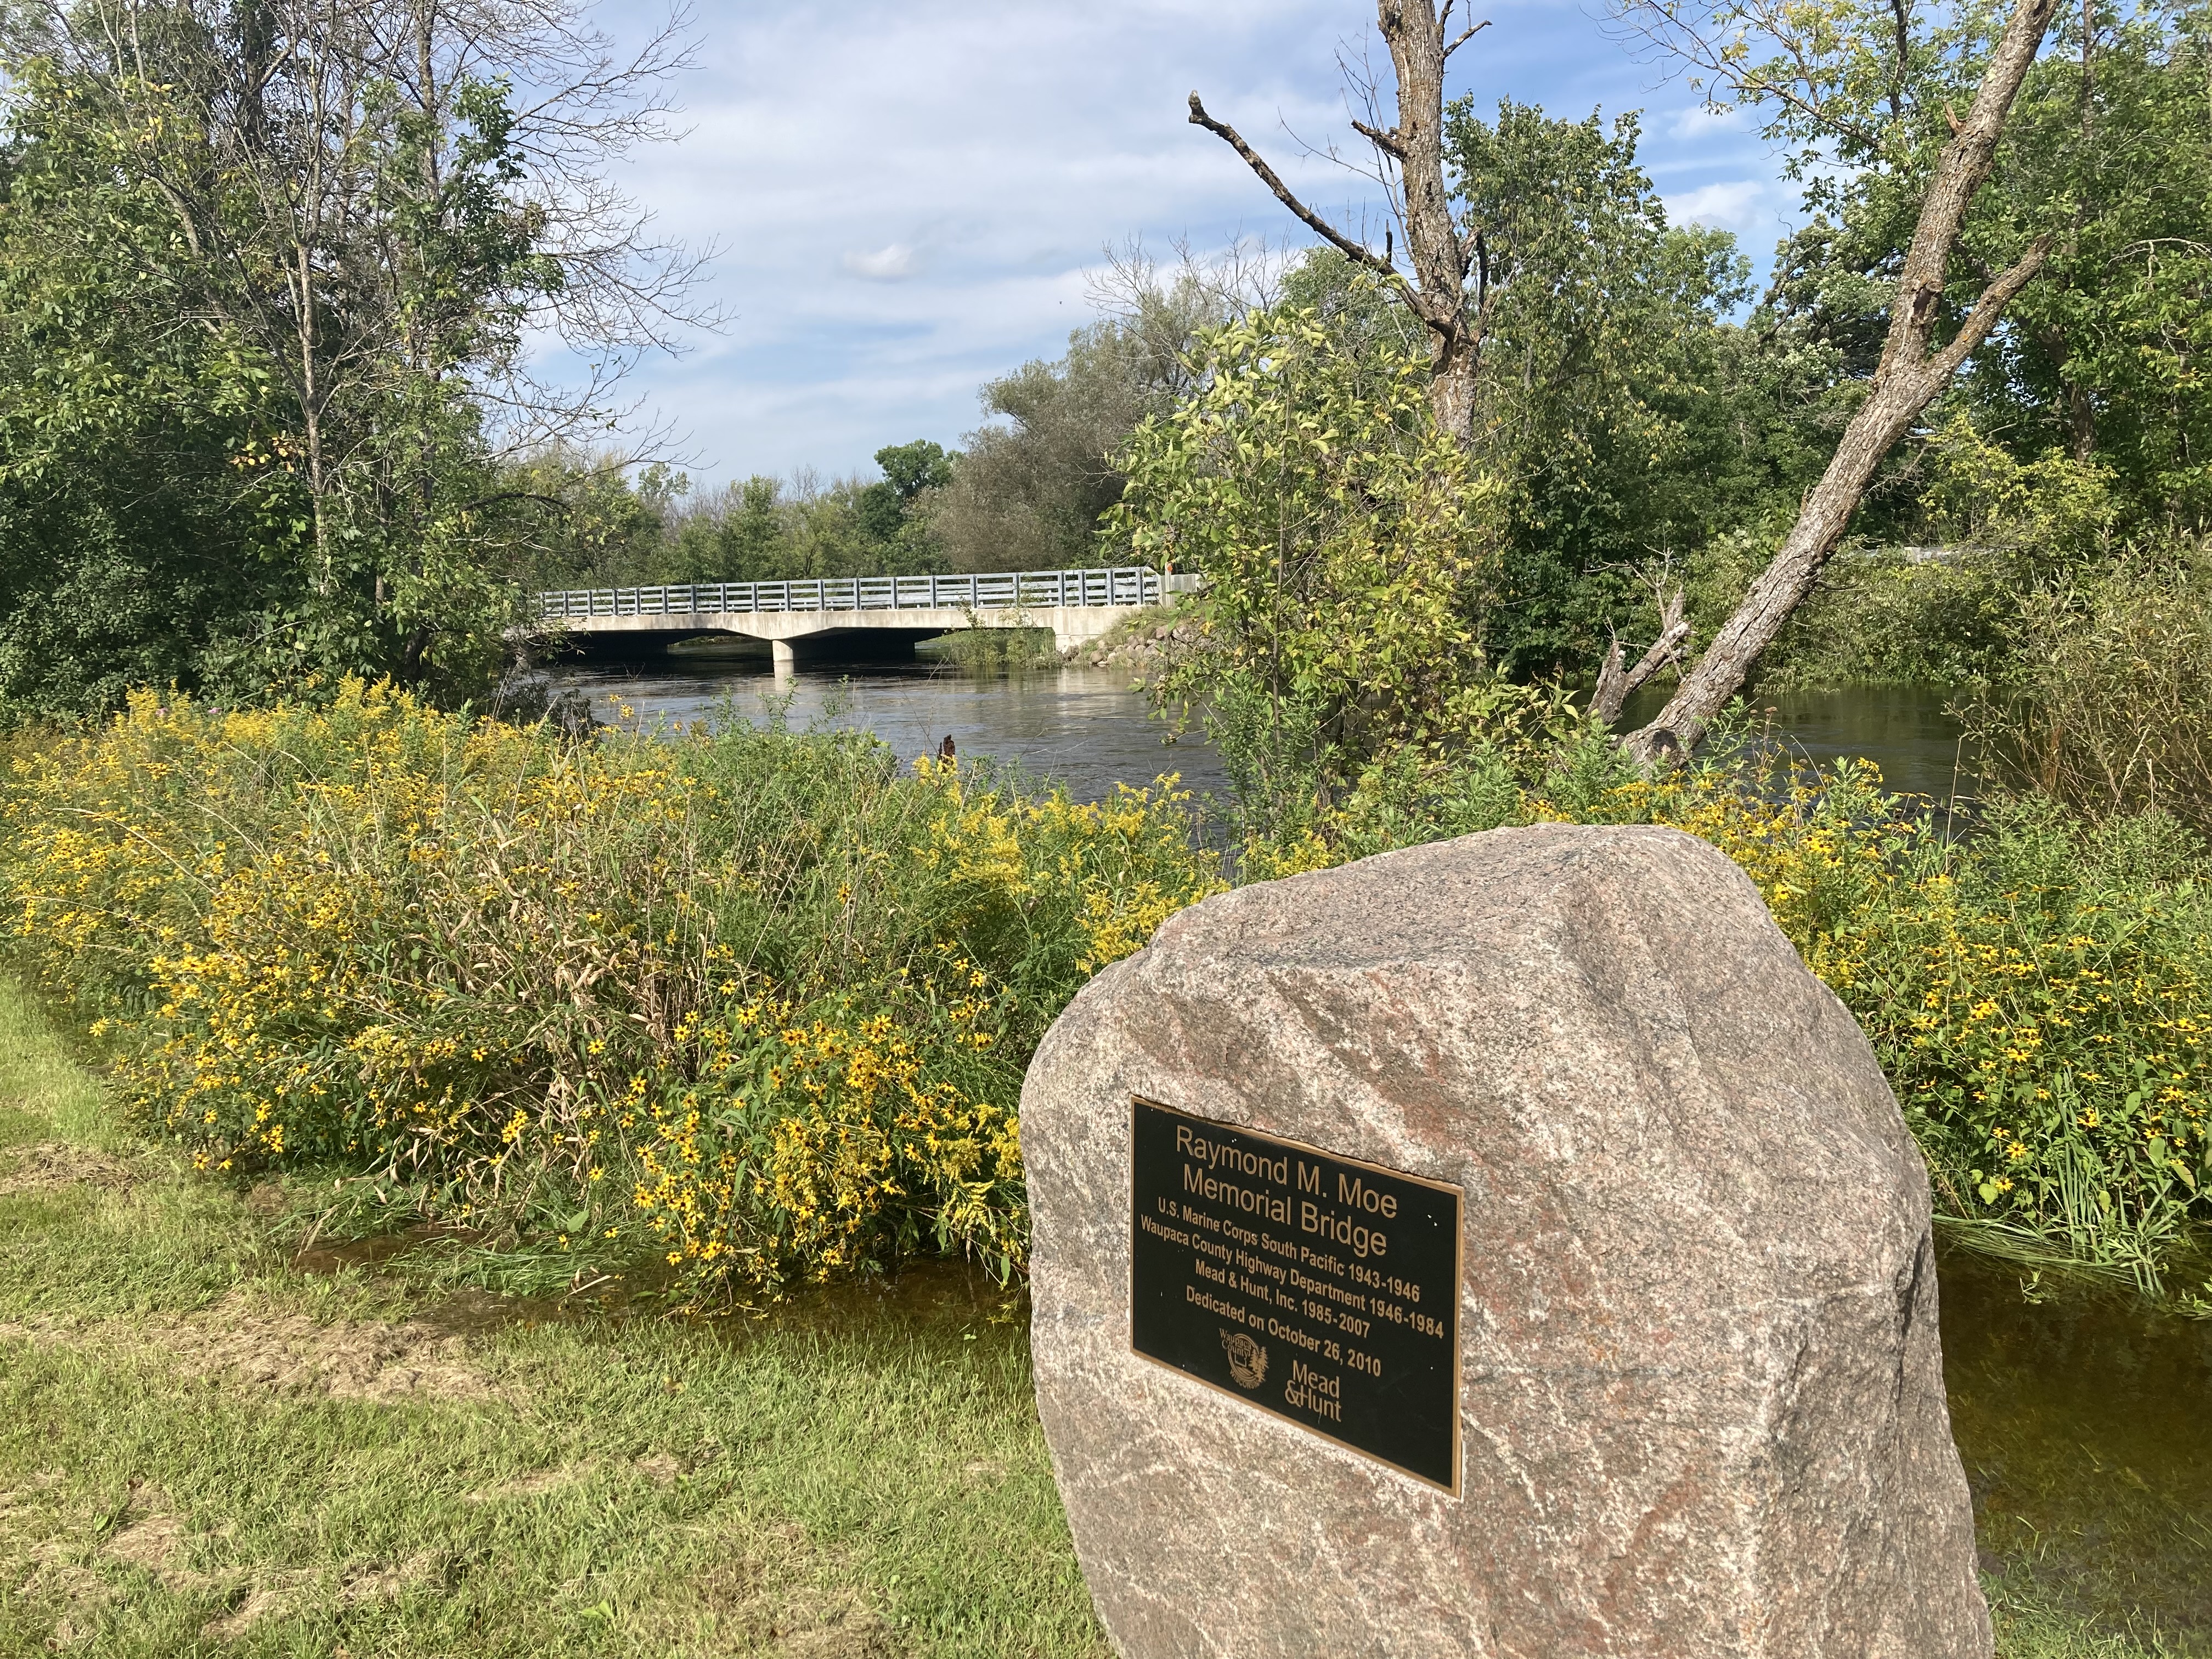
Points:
206	1451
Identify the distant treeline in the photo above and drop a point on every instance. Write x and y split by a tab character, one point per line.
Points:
265	414
1027	490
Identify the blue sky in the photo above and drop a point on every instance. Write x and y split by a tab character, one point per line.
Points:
906	197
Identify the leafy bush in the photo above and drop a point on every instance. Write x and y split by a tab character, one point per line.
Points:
1992	529
1345	545
749	997
1884	617
756	1004
2041	997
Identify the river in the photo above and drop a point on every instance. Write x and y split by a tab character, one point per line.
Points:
1081	727
1085	728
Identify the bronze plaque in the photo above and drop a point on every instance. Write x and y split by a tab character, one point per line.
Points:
1319	1288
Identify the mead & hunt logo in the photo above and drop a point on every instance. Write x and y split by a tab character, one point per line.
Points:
1248	1360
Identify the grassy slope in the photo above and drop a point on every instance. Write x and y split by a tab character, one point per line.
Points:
639	1489
565	1489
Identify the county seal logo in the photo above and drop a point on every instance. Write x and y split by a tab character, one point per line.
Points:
1248	1360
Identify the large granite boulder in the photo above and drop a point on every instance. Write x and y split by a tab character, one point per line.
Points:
1699	1388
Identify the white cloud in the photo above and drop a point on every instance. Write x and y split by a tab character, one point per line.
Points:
907	194
1698	121
887	265
1741	205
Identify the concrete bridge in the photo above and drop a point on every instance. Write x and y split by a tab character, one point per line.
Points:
856	615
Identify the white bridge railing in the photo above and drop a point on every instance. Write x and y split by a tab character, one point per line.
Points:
1022	590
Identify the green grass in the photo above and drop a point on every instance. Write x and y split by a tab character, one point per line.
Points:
835	1482
2034	1622
852	1478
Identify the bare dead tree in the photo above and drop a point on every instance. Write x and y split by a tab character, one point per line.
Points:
1913	368
1410	164
1616	681
1245	275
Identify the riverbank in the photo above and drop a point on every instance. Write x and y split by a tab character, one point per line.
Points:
755	1004
206	1449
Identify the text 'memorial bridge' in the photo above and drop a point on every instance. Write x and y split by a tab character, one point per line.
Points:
856	615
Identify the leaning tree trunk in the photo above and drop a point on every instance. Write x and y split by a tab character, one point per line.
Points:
1908	378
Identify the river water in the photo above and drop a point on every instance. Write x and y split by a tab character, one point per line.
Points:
2081	1413
2081	1416
1085	728
1082	727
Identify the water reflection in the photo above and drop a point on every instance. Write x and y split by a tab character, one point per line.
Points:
2081	1417
1908	730
1082	727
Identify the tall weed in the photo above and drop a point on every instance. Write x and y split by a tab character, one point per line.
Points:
756	1003
754	1000
2040	993
2106	700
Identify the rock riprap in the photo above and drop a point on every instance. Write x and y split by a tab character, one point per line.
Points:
1688	1398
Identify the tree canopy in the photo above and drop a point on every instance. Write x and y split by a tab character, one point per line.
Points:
265	272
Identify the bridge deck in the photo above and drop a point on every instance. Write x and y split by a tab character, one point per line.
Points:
1022	590
1075	604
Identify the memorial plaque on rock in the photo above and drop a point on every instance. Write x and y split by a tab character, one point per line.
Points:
1319	1288
1641	1357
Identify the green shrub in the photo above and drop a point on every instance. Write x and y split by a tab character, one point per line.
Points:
2041	997
2040	993
757	1004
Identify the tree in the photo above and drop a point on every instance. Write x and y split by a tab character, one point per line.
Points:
1851	77
752	533
1345	541
349	196
139	515
1603	397
1031	494
601	521
909	470
2105	354
145	510
1409	164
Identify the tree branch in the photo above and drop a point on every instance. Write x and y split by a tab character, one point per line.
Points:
1390	142
553	502
1904	62
1320	227
1473	30
1984	317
